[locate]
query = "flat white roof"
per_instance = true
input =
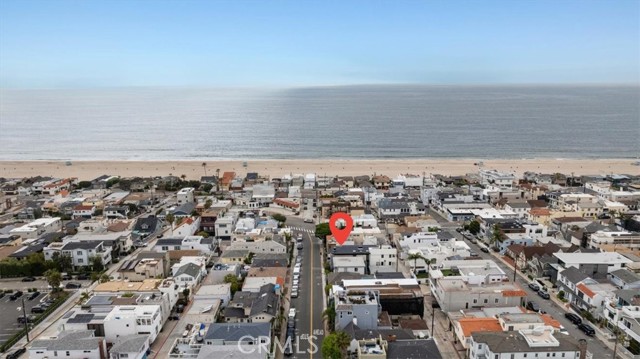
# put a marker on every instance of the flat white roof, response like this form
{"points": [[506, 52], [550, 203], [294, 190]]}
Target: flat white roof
{"points": [[372, 282], [592, 258], [340, 261]]}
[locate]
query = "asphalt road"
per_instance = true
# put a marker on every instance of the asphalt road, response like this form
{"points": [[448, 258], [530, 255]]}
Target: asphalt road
{"points": [[595, 346], [309, 304]]}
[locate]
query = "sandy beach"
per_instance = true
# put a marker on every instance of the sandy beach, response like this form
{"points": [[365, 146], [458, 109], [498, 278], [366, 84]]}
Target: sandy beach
{"points": [[87, 170]]}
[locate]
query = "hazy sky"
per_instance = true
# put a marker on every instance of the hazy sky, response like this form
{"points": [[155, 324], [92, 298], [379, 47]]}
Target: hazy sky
{"points": [[298, 43]]}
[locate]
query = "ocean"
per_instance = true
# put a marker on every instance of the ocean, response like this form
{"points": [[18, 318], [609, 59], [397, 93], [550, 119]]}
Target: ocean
{"points": [[348, 122]]}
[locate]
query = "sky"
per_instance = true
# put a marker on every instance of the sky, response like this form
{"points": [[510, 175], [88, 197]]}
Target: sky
{"points": [[80, 44]]}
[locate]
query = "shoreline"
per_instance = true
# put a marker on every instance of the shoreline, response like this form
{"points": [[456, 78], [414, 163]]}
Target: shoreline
{"points": [[193, 169]]}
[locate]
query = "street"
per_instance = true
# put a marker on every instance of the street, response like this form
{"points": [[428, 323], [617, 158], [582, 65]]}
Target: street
{"points": [[310, 301]]}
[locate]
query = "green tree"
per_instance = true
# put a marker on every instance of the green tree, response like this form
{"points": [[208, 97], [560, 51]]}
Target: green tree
{"points": [[330, 349], [233, 280], [54, 278], [279, 217], [334, 345], [208, 203], [474, 227], [330, 315], [62, 262], [323, 230], [84, 184], [203, 233], [104, 278], [206, 187], [185, 293], [112, 182], [96, 264]]}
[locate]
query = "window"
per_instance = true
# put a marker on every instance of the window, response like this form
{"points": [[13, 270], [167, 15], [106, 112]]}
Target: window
{"points": [[475, 301], [124, 355], [496, 300], [486, 301], [68, 353], [80, 260], [79, 253]]}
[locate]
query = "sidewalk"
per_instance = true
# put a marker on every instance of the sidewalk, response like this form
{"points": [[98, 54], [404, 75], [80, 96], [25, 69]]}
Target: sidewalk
{"points": [[443, 337]]}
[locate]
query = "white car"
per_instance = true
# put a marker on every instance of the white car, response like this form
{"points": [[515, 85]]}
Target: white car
{"points": [[296, 277], [296, 282], [294, 294], [292, 313]]}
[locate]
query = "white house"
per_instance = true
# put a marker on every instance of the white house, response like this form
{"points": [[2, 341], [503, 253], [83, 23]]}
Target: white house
{"points": [[348, 264], [128, 320], [80, 344], [263, 246], [224, 226], [38, 228], [84, 211], [221, 292], [81, 252], [539, 342], [420, 239], [188, 275], [382, 258], [496, 178], [186, 195]]}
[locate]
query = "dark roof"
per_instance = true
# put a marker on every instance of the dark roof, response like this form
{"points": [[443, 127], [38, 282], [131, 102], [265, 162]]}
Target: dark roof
{"points": [[186, 208], [81, 245], [26, 251], [574, 275], [190, 269], [81, 319], [269, 263], [150, 222], [235, 332], [251, 176], [70, 340], [444, 235], [338, 277], [626, 275], [514, 342], [51, 237], [130, 344], [413, 349], [390, 275], [169, 242], [350, 250]]}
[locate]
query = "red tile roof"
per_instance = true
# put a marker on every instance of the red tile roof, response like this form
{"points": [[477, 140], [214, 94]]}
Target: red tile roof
{"points": [[470, 325], [584, 289], [514, 293]]}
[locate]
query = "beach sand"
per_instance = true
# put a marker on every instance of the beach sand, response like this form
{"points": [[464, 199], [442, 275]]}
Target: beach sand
{"points": [[87, 170]]}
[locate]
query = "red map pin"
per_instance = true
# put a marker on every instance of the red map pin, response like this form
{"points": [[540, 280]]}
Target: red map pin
{"points": [[341, 225]]}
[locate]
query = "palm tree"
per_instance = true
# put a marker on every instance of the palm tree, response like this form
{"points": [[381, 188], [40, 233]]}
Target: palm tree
{"points": [[415, 257], [343, 340], [496, 235], [204, 167], [170, 218], [183, 176]]}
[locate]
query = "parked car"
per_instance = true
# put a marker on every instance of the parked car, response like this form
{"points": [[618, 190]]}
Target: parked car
{"points": [[38, 309], [15, 295], [33, 295], [29, 279], [543, 294], [29, 319], [73, 285], [531, 305], [292, 313], [587, 329], [82, 277], [296, 282], [174, 317], [16, 353], [160, 235], [291, 324], [294, 293], [299, 246], [473, 254], [67, 277], [485, 249], [573, 318], [534, 286]]}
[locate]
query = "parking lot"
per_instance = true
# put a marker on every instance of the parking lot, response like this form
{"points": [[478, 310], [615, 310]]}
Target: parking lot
{"points": [[11, 310]]}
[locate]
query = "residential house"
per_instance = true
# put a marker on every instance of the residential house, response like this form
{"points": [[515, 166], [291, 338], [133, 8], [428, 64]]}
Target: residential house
{"points": [[383, 259], [116, 212], [188, 275], [527, 343], [133, 347], [263, 246], [593, 264], [381, 182], [84, 211], [625, 279], [253, 307], [82, 252], [361, 308], [234, 334], [622, 312], [185, 195], [37, 228], [523, 255], [348, 264], [128, 320], [82, 344], [146, 226]]}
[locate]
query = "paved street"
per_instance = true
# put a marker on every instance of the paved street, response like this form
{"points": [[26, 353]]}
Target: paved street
{"points": [[309, 304]]}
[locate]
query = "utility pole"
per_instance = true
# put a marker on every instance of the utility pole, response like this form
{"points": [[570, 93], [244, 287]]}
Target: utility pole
{"points": [[515, 269], [26, 324]]}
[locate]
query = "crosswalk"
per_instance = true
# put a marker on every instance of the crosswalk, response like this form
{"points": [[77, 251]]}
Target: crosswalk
{"points": [[299, 229]]}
